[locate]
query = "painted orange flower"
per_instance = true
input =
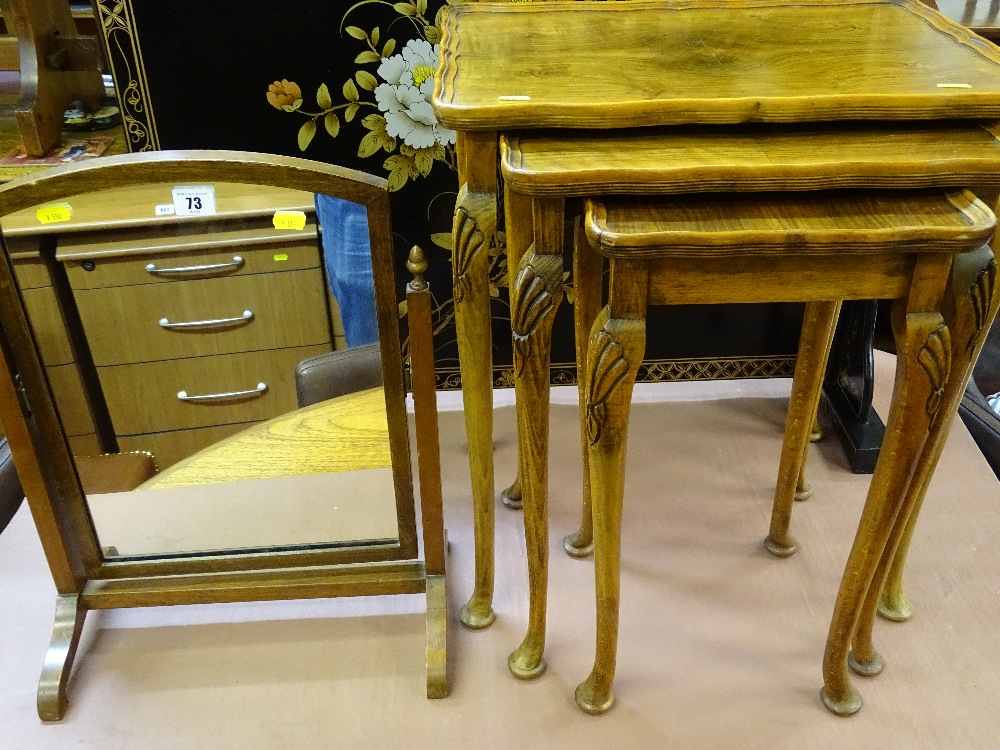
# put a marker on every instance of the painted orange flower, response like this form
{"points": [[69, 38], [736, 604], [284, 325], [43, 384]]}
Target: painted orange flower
{"points": [[284, 95]]}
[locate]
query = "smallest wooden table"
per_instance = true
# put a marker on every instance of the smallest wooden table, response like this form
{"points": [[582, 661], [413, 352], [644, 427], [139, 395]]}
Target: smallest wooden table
{"points": [[818, 248]]}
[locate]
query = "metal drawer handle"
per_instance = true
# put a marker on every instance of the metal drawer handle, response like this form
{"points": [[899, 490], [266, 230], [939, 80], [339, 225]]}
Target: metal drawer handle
{"points": [[236, 263], [245, 317], [260, 390]]}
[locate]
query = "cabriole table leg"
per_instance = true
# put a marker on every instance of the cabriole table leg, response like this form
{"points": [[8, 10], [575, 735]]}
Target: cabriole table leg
{"points": [[922, 367], [473, 231], [536, 293], [818, 324]]}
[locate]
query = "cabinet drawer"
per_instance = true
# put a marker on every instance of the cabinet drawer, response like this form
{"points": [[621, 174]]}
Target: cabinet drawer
{"points": [[31, 273], [144, 397], [71, 398], [48, 324], [219, 255], [123, 324], [170, 447]]}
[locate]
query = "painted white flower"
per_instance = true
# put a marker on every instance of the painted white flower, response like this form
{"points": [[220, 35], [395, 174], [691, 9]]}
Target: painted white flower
{"points": [[405, 97]]}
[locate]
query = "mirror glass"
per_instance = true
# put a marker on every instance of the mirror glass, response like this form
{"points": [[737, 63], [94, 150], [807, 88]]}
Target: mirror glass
{"points": [[173, 321]]}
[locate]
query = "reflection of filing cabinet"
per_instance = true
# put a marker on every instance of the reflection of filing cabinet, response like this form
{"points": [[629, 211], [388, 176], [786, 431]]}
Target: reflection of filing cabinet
{"points": [[194, 327], [35, 276]]}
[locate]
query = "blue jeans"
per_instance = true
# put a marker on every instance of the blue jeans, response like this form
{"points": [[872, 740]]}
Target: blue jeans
{"points": [[348, 258]]}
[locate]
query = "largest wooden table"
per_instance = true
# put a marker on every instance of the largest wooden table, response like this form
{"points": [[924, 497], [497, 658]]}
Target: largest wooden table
{"points": [[599, 66]]}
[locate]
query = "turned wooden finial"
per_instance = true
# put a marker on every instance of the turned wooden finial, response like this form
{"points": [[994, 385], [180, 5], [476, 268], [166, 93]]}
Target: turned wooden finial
{"points": [[417, 264]]}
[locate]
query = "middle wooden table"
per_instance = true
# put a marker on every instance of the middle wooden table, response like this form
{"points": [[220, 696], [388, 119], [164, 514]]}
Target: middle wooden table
{"points": [[586, 65]]}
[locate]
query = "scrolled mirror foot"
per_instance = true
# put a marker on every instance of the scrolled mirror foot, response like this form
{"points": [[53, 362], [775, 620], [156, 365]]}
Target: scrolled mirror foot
{"points": [[848, 705], [780, 550], [869, 667], [477, 615], [526, 663], [593, 699], [578, 545], [69, 617], [895, 606]]}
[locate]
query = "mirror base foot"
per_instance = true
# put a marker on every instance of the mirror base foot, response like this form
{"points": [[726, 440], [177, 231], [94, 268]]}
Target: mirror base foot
{"points": [[437, 638], [69, 617]]}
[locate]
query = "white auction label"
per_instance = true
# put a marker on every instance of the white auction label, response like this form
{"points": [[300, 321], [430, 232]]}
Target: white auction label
{"points": [[165, 209], [194, 200]]}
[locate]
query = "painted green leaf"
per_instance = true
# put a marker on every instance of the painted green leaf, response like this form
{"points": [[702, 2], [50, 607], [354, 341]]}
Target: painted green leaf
{"points": [[433, 34], [350, 91], [403, 308], [371, 143], [443, 240], [306, 134], [332, 123], [421, 6], [405, 9], [374, 122], [424, 161], [388, 48], [352, 109], [356, 32], [323, 97], [367, 57], [397, 178], [375, 36], [365, 79], [397, 162]]}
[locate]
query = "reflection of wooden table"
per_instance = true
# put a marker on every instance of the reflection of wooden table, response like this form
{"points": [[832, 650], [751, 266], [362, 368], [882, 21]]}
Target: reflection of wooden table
{"points": [[349, 433], [601, 66], [319, 475]]}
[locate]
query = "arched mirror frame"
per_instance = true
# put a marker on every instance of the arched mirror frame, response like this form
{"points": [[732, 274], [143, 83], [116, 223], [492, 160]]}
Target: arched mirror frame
{"points": [[84, 578]]}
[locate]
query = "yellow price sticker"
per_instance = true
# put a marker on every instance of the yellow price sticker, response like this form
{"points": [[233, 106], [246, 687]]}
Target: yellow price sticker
{"points": [[294, 220], [54, 212], [281, 256]]}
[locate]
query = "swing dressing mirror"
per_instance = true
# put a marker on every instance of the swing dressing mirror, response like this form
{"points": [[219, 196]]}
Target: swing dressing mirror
{"points": [[159, 311]]}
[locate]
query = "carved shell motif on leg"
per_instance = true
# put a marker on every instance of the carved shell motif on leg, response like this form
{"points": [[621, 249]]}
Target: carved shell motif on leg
{"points": [[935, 361], [610, 369]]}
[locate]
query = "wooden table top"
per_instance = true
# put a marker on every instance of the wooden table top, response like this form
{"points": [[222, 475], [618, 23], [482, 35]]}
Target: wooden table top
{"points": [[604, 65], [807, 156]]}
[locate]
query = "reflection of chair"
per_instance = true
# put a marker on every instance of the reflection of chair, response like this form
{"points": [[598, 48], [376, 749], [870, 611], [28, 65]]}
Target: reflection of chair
{"points": [[11, 493], [338, 373]]}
